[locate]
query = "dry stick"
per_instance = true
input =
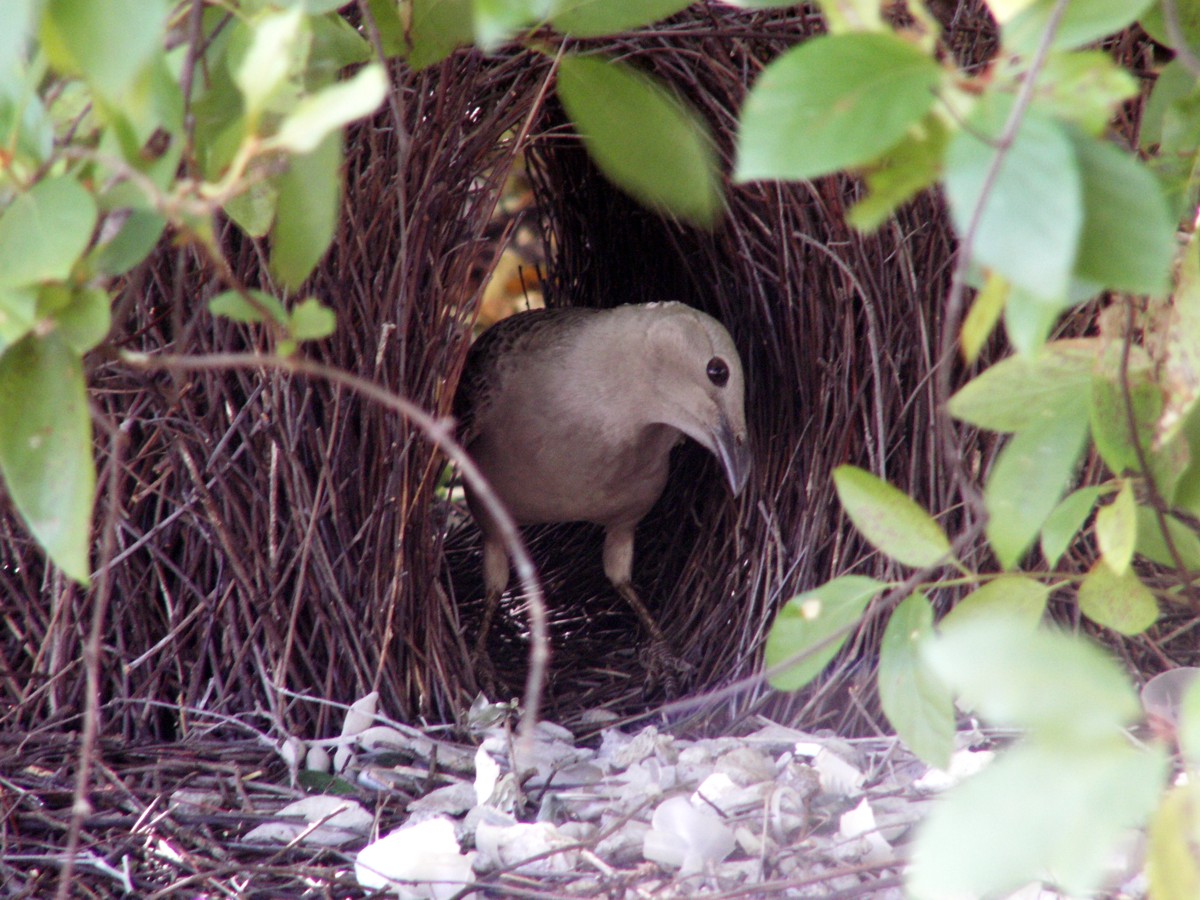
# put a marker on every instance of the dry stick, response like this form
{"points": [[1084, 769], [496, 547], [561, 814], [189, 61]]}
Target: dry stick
{"points": [[439, 432], [91, 661], [1157, 503], [958, 281]]}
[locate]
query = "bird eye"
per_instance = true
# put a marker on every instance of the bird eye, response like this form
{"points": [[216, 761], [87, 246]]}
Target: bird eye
{"points": [[718, 371]]}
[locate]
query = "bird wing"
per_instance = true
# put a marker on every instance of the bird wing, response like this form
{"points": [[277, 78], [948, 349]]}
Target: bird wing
{"points": [[496, 350]]}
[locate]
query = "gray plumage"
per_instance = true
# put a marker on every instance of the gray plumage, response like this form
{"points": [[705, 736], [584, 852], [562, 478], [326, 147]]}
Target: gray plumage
{"points": [[571, 415]]}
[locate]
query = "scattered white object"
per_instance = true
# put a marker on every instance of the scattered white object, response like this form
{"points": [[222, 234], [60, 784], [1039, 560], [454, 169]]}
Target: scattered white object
{"points": [[962, 764], [361, 714], [863, 840], [685, 837], [292, 750], [487, 773], [417, 862], [513, 846], [342, 821], [317, 760], [382, 736], [839, 778]]}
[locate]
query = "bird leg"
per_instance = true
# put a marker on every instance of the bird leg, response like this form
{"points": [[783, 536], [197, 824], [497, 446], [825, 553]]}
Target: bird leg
{"points": [[659, 660], [495, 580]]}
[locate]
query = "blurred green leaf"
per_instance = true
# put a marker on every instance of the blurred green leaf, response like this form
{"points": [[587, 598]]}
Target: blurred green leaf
{"points": [[670, 165], [44, 232], [306, 212], [319, 115], [1064, 523], [1029, 320], [311, 321], [1188, 727], [274, 53], [46, 447], [814, 625], [437, 28], [1018, 598], [1117, 600], [132, 243], [1116, 529], [1110, 420], [888, 518], [1058, 811], [983, 315], [18, 312], [386, 14], [1022, 391], [834, 102], [597, 18], [1152, 545], [1084, 87], [1033, 213], [1083, 22], [915, 701], [1030, 475], [496, 21], [1128, 237], [109, 44], [82, 317], [906, 169], [1172, 864], [1060, 687], [254, 208], [233, 305], [1154, 22]]}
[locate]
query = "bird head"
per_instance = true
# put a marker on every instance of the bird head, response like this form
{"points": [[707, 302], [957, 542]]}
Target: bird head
{"points": [[699, 385]]}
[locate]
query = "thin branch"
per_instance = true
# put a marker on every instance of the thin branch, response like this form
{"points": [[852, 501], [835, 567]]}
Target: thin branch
{"points": [[440, 433]]}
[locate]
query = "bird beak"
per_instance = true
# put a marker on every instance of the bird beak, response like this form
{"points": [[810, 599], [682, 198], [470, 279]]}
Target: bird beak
{"points": [[734, 454]]}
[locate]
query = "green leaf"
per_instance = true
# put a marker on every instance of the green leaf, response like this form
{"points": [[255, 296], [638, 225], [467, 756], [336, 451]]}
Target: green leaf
{"points": [[597, 18], [386, 14], [138, 235], [18, 312], [1152, 545], [310, 321], [1033, 213], [890, 519], [233, 305], [322, 114], [1110, 421], [497, 20], [274, 55], [1018, 598], [1128, 237], [1172, 864], [915, 701], [1083, 22], [1030, 475], [834, 102], [46, 447], [1037, 812], [254, 208], [1188, 727], [671, 166], [1154, 22], [1084, 87], [1023, 391], [1117, 601], [306, 213], [1116, 530], [983, 315], [45, 231], [907, 168], [109, 44], [1029, 320], [438, 27], [1063, 524], [1056, 685], [82, 317], [813, 626]]}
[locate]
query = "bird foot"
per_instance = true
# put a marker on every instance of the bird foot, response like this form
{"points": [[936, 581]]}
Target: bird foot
{"points": [[663, 667]]}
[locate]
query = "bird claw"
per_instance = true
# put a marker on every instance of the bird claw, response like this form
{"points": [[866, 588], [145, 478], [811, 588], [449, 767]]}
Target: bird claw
{"points": [[664, 667]]}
